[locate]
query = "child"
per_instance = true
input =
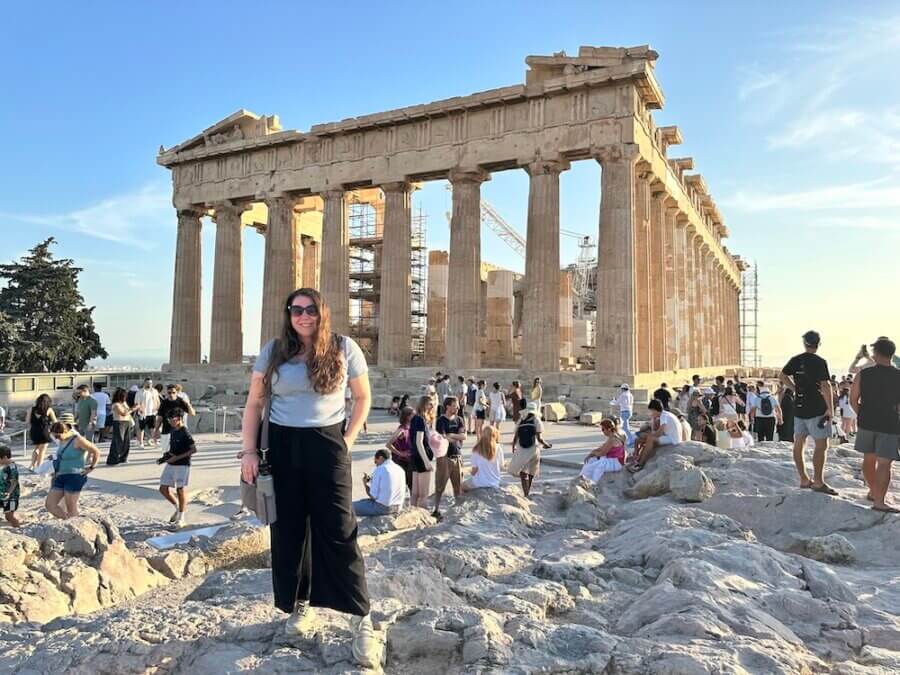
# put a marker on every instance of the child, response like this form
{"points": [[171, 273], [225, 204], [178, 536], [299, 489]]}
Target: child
{"points": [[9, 486], [177, 470], [395, 406]]}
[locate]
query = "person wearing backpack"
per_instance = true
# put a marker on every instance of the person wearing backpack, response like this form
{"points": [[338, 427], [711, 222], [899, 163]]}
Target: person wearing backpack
{"points": [[765, 415], [527, 441]]}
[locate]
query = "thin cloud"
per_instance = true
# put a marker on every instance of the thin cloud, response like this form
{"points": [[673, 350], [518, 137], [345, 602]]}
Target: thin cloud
{"points": [[874, 194], [756, 82], [804, 130], [130, 219]]}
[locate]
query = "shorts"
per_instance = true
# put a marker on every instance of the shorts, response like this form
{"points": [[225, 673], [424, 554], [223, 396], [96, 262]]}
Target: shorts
{"points": [[101, 422], [175, 476], [810, 427], [468, 410], [10, 505], [883, 445], [666, 440], [479, 414], [69, 482], [148, 422]]}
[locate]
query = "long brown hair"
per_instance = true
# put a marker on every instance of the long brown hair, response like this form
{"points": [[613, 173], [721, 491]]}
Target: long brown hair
{"points": [[425, 409], [324, 364], [487, 444]]}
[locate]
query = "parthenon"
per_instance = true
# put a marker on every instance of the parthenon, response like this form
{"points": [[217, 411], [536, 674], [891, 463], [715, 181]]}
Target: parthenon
{"points": [[667, 287]]}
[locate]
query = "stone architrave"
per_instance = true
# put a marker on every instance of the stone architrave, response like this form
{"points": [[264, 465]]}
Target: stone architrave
{"points": [[499, 318], [394, 330], [540, 337], [464, 276], [184, 345], [642, 288], [283, 256], [436, 321], [310, 273], [660, 330], [616, 344], [226, 331], [334, 268]]}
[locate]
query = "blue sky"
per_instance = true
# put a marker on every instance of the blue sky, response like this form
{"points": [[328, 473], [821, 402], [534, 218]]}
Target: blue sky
{"points": [[790, 110]]}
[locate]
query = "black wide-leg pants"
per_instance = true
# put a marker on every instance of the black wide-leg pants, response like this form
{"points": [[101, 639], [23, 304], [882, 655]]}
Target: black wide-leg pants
{"points": [[315, 556]]}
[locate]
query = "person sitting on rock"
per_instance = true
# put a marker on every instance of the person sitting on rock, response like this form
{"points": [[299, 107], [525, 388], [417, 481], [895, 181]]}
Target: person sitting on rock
{"points": [[686, 430], [704, 432], [609, 457], [739, 437], [487, 461], [668, 432], [386, 488]]}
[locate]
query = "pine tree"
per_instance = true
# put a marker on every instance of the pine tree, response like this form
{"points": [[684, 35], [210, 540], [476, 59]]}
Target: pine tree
{"points": [[44, 324]]}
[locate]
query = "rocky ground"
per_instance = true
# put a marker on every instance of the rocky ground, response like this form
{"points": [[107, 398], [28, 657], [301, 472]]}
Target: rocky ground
{"points": [[708, 561]]}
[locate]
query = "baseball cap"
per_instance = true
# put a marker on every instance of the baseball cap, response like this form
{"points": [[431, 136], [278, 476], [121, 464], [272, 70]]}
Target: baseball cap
{"points": [[624, 386], [811, 338], [884, 346], [67, 417]]}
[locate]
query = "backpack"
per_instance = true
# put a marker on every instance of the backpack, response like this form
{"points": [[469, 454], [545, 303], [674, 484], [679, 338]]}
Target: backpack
{"points": [[765, 405], [527, 432]]}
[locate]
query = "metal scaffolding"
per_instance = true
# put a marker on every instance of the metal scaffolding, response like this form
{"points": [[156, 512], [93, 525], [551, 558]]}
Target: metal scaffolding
{"points": [[749, 306], [419, 286]]}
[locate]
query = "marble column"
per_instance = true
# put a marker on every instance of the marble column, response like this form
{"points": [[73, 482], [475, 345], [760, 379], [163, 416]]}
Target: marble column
{"points": [[708, 300], [464, 274], [499, 318], [184, 345], [682, 284], [718, 311], [699, 314], [226, 331], [310, 273], [282, 263], [436, 320], [394, 328], [672, 316], [660, 335], [616, 342], [566, 318], [334, 270], [540, 338], [642, 288]]}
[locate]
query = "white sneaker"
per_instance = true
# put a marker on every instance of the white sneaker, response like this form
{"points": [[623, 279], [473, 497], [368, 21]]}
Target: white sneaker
{"points": [[179, 522], [175, 515], [367, 649], [302, 620]]}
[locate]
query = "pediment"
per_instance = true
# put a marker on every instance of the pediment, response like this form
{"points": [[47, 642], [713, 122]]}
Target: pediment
{"points": [[238, 126]]}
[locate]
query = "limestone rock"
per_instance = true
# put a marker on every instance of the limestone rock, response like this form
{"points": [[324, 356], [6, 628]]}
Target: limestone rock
{"points": [[171, 563], [554, 412], [230, 583], [573, 411], [691, 485], [590, 418], [410, 518], [833, 548]]}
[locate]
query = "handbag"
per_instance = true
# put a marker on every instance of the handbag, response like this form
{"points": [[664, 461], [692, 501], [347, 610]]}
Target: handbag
{"points": [[439, 445], [259, 496]]}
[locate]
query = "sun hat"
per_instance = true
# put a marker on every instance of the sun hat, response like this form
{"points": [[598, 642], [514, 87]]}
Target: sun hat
{"points": [[532, 407]]}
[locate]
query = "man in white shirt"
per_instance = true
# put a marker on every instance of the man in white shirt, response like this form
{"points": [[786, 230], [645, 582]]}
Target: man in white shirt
{"points": [[625, 402], [386, 488], [147, 401], [666, 431], [2, 418], [103, 402]]}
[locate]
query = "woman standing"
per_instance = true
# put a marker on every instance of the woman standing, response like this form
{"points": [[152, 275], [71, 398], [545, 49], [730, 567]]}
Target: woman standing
{"points": [[786, 428], [301, 376], [728, 406], [609, 457], [401, 451], [498, 405], [537, 393], [420, 430], [39, 420], [71, 470], [121, 436], [526, 460], [695, 409], [515, 400]]}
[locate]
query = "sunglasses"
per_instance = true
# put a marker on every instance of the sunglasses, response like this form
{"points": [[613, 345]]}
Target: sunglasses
{"points": [[299, 310]]}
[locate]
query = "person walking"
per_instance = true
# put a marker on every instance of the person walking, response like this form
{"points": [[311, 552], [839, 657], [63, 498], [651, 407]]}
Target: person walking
{"points": [[875, 397], [537, 394], [497, 403], [625, 403], [299, 378], [75, 459], [39, 419], [807, 374], [103, 405], [9, 487], [120, 445], [526, 447], [786, 403], [177, 460], [848, 414], [765, 415], [147, 400], [85, 412]]}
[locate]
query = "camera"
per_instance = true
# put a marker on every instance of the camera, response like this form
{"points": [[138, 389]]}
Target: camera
{"points": [[165, 458]]}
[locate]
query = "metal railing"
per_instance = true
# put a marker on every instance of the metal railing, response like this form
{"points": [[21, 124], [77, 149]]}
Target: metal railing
{"points": [[24, 433], [225, 412]]}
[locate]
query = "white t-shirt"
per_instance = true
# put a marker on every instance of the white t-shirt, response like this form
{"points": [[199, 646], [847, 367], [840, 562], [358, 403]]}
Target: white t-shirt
{"points": [[752, 400], [489, 472], [148, 399], [388, 486], [625, 401], [479, 399], [671, 426], [103, 400], [496, 398], [846, 410]]}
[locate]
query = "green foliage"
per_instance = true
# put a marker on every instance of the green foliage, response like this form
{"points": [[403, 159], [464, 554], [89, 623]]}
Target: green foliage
{"points": [[44, 325]]}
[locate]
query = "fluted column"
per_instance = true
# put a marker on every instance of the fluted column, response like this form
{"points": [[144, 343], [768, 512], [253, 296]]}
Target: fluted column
{"points": [[282, 263], [699, 314], [643, 305], [691, 287], [464, 274], [718, 311], [184, 343], [660, 335], [310, 267], [436, 326], [616, 342], [394, 330], [708, 302], [334, 269], [227, 332], [670, 291], [540, 339], [682, 280]]}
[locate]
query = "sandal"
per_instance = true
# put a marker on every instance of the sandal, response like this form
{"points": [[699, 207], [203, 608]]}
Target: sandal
{"points": [[808, 486], [886, 509], [826, 489]]}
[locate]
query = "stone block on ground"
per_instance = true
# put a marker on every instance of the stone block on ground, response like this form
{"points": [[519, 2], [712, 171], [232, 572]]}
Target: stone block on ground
{"points": [[410, 518], [832, 548], [572, 410], [591, 418], [691, 485], [554, 412]]}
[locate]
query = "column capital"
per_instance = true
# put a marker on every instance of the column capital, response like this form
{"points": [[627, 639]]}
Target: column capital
{"points": [[681, 218], [540, 166], [230, 209], [623, 152], [657, 187], [332, 193], [396, 186], [461, 175], [196, 212], [283, 199]]}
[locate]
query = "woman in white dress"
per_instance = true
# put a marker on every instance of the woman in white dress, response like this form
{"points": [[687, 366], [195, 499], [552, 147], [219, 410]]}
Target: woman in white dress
{"points": [[609, 457], [497, 401]]}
